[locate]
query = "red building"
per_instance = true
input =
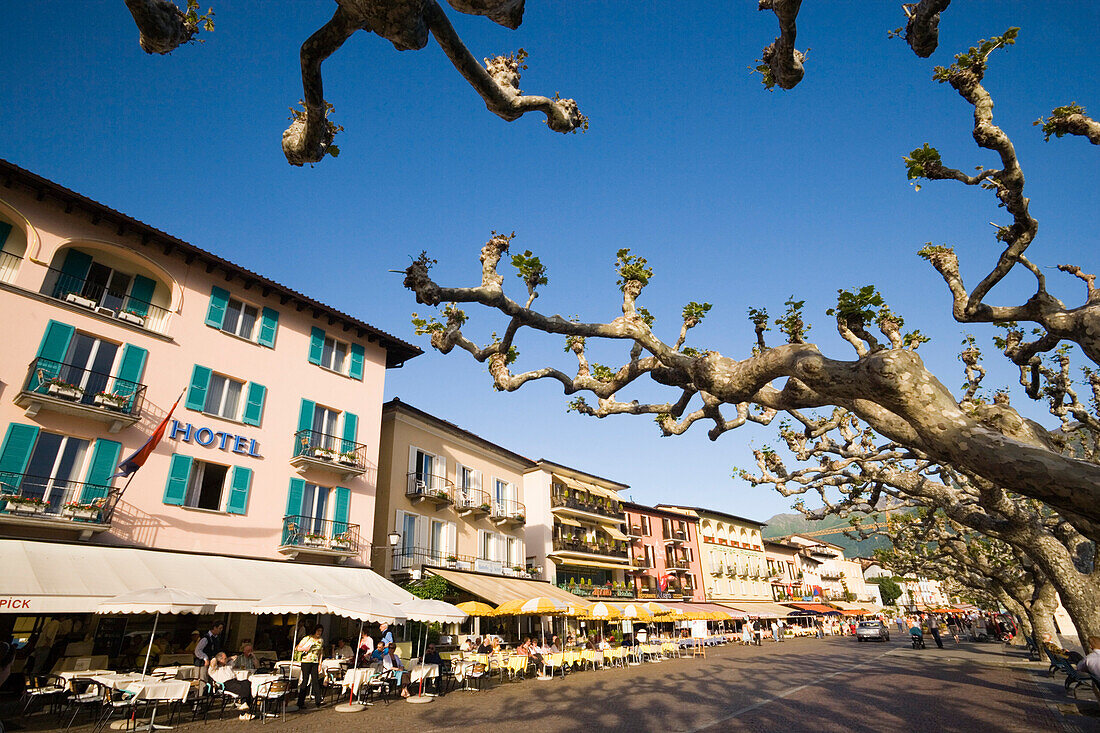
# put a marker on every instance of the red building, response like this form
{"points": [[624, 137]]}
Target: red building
{"points": [[664, 550]]}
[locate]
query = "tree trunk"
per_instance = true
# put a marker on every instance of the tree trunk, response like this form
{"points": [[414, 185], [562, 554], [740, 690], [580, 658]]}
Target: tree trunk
{"points": [[1043, 606], [1079, 592]]}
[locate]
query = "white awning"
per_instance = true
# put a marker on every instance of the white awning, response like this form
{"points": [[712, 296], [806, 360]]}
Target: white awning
{"points": [[498, 589], [46, 577]]}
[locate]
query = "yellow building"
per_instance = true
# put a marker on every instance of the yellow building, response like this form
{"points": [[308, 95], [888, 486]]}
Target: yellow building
{"points": [[731, 550], [449, 498]]}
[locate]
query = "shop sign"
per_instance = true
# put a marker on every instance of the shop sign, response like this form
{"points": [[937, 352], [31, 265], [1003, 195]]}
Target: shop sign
{"points": [[208, 437]]}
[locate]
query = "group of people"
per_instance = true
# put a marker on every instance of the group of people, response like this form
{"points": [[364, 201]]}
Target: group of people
{"points": [[752, 632]]}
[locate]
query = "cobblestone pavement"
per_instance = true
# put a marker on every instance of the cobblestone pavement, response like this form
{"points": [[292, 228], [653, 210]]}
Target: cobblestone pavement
{"points": [[835, 684]]}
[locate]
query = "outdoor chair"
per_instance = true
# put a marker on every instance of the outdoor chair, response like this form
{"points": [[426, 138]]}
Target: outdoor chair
{"points": [[114, 703], [49, 692], [273, 696], [1074, 679], [332, 682], [86, 696], [200, 699], [555, 661]]}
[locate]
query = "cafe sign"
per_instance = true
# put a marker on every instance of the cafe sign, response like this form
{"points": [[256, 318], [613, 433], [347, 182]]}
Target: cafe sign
{"points": [[210, 438]]}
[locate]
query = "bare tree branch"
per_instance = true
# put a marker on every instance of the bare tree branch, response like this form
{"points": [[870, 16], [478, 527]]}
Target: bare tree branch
{"points": [[922, 31]]}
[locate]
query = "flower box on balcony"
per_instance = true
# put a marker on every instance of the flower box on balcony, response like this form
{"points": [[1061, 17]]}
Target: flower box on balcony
{"points": [[134, 318], [348, 459], [64, 391], [341, 545], [111, 401], [323, 453], [314, 540], [80, 511], [80, 300], [24, 505]]}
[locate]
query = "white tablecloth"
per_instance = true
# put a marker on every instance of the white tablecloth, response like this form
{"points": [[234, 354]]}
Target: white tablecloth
{"points": [[82, 675], [159, 689], [423, 671], [189, 672], [119, 681], [259, 680]]}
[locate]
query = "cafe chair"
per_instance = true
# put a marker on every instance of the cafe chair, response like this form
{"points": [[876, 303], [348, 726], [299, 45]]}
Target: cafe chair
{"points": [[86, 696], [49, 692], [273, 696], [114, 703]]}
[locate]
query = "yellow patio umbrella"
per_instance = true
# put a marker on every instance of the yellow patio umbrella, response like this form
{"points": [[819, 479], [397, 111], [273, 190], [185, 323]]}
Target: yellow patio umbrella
{"points": [[636, 612], [576, 608], [537, 606], [602, 612], [477, 608], [656, 609], [719, 616]]}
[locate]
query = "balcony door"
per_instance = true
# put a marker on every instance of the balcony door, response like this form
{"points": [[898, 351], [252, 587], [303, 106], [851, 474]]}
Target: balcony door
{"points": [[324, 427], [55, 463], [314, 503], [88, 364], [469, 486], [106, 286]]}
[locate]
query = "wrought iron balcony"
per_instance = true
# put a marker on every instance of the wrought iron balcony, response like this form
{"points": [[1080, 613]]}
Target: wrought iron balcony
{"points": [[677, 564], [590, 505], [301, 534], [51, 502], [407, 559], [508, 511], [425, 487], [676, 537], [609, 549], [329, 452], [99, 298], [469, 500], [76, 390]]}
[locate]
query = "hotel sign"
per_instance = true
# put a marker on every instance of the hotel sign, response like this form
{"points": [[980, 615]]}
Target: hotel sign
{"points": [[208, 437]]}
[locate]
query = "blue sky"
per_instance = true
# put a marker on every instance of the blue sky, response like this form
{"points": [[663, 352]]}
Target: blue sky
{"points": [[737, 196]]}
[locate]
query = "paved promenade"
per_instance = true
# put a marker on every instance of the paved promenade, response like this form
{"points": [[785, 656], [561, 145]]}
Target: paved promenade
{"points": [[826, 685]]}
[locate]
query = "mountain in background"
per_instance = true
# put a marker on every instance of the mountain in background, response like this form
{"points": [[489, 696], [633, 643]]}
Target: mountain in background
{"points": [[785, 524]]}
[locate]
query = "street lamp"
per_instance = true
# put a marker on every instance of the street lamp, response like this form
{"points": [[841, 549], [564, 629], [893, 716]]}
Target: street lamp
{"points": [[394, 538]]}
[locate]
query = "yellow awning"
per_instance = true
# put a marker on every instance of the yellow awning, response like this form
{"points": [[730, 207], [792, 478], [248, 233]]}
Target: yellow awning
{"points": [[568, 522], [590, 563], [600, 491], [615, 533], [500, 589], [568, 482]]}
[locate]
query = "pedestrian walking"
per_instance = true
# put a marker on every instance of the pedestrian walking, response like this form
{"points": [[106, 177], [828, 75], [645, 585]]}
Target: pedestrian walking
{"points": [[758, 632], [746, 633], [775, 631], [310, 648], [819, 628], [934, 629], [780, 626]]}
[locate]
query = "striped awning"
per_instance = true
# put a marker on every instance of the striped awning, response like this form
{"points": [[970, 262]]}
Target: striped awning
{"points": [[615, 533]]}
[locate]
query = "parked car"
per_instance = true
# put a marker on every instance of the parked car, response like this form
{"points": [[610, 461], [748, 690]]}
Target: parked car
{"points": [[872, 630]]}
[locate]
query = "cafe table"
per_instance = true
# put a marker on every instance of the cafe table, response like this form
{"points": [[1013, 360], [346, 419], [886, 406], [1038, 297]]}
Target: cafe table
{"points": [[147, 687], [85, 674]]}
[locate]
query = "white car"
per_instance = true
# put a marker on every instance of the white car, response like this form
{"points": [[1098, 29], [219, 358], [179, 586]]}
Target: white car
{"points": [[872, 630]]}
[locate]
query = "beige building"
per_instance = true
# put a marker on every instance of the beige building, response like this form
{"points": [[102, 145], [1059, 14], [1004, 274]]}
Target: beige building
{"points": [[731, 551], [449, 498], [576, 530]]}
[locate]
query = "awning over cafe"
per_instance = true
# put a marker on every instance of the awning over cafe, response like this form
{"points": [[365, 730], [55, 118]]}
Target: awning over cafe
{"points": [[758, 609], [814, 608], [689, 607], [48, 577], [498, 589]]}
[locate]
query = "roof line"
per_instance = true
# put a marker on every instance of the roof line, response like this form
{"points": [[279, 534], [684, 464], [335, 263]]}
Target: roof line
{"points": [[397, 351], [397, 404], [586, 473], [698, 509]]}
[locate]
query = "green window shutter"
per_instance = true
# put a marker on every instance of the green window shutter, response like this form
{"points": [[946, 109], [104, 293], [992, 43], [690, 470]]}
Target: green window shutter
{"points": [[358, 356], [5, 230], [351, 430], [73, 271], [141, 293], [215, 313], [303, 442], [316, 345], [54, 347], [130, 369], [269, 323], [238, 490], [340, 513], [196, 393], [103, 465], [15, 453], [175, 490], [254, 404], [291, 531]]}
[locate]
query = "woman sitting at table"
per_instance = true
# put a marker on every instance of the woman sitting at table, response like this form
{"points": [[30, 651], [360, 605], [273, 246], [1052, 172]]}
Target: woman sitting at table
{"points": [[495, 645], [604, 644], [392, 664], [222, 675]]}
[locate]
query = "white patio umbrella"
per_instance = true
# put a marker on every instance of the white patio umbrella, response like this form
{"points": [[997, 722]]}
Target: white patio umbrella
{"points": [[428, 610], [296, 602], [156, 600], [363, 607]]}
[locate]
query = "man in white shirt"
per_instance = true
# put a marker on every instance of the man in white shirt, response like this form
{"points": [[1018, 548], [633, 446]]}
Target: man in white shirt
{"points": [[1091, 663], [642, 635]]}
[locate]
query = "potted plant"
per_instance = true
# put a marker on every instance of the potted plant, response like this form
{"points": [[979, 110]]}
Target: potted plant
{"points": [[341, 541], [348, 458], [484, 507], [112, 401], [60, 388], [452, 560], [81, 300], [25, 504], [78, 510], [313, 539], [323, 453], [131, 316]]}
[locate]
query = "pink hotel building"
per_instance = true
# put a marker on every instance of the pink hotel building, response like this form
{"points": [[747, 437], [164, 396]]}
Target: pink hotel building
{"points": [[273, 450]]}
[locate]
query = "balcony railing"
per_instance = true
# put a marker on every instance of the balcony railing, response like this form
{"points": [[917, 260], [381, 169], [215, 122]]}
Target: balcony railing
{"points": [[101, 299], [9, 266], [343, 455], [85, 387], [634, 532], [611, 549], [593, 505], [42, 497], [411, 558], [433, 488], [642, 563], [469, 499], [677, 564], [508, 510], [597, 591], [309, 534], [676, 536]]}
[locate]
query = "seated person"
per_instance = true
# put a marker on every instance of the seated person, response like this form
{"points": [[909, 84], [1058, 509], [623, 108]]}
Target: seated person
{"points": [[342, 650], [431, 656], [379, 652], [392, 663], [590, 643], [246, 660], [221, 674], [495, 644], [467, 645], [604, 645], [555, 645], [483, 646]]}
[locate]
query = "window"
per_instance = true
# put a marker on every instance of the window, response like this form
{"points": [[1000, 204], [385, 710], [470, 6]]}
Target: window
{"points": [[689, 582], [223, 397], [438, 539], [205, 485], [469, 486], [666, 527], [645, 526], [240, 319], [314, 505], [89, 362], [55, 462], [334, 355], [324, 423], [649, 557], [106, 286]]}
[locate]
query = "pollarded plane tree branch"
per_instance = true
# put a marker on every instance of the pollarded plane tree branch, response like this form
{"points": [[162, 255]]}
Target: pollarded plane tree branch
{"points": [[164, 27], [1057, 322], [853, 474], [1070, 120], [886, 386]]}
